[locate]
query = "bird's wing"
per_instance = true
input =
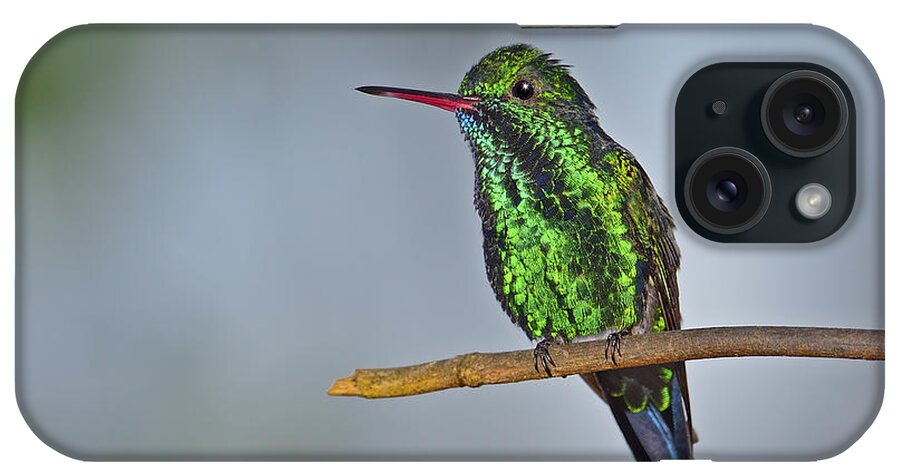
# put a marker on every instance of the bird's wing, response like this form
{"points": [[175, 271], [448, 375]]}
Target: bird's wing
{"points": [[656, 238]]}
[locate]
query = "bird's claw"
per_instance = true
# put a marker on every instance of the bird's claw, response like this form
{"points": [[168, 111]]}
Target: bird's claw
{"points": [[542, 355], [614, 342]]}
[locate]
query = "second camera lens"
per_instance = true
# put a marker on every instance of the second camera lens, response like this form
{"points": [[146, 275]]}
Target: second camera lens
{"points": [[727, 190]]}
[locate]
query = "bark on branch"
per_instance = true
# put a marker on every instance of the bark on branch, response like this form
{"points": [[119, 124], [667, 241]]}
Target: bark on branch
{"points": [[477, 369]]}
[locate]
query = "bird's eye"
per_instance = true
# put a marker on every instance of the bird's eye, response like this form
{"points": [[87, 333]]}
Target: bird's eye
{"points": [[523, 90]]}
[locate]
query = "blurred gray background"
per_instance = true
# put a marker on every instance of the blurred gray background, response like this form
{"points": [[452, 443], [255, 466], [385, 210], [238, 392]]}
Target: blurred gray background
{"points": [[213, 226]]}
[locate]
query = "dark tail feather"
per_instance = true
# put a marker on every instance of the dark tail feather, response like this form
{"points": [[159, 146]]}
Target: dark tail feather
{"points": [[653, 435], [681, 423]]}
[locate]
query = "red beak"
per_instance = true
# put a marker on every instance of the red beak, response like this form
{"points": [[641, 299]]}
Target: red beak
{"points": [[445, 101]]}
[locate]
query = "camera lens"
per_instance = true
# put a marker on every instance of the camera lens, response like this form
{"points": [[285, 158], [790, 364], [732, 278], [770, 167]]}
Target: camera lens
{"points": [[727, 190], [804, 113]]}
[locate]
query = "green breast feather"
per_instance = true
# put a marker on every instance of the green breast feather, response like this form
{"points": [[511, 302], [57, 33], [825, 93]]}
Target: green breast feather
{"points": [[568, 261]]}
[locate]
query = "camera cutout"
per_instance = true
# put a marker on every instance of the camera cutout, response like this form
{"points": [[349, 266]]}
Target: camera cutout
{"points": [[739, 174]]}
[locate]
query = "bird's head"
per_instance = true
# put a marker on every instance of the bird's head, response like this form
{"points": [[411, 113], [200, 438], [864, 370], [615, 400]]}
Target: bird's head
{"points": [[514, 93], [521, 84]]}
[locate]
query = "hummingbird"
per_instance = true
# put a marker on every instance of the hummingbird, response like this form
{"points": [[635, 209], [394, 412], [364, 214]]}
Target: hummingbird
{"points": [[577, 243]]}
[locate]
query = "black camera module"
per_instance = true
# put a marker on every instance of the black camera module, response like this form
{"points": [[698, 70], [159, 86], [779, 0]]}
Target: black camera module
{"points": [[727, 190], [804, 113], [781, 113]]}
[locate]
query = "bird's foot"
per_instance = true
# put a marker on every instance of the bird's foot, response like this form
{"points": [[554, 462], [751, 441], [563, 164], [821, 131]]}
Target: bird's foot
{"points": [[614, 344], [542, 355]]}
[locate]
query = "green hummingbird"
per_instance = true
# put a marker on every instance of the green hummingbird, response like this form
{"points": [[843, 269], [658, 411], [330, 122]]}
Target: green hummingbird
{"points": [[577, 244]]}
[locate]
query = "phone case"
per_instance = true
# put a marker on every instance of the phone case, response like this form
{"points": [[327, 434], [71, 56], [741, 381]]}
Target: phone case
{"points": [[213, 226]]}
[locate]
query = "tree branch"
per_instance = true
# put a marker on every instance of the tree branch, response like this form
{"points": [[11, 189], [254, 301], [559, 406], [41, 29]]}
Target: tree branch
{"points": [[477, 369]]}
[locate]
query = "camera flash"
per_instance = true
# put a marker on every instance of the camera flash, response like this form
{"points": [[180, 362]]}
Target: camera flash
{"points": [[813, 201]]}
